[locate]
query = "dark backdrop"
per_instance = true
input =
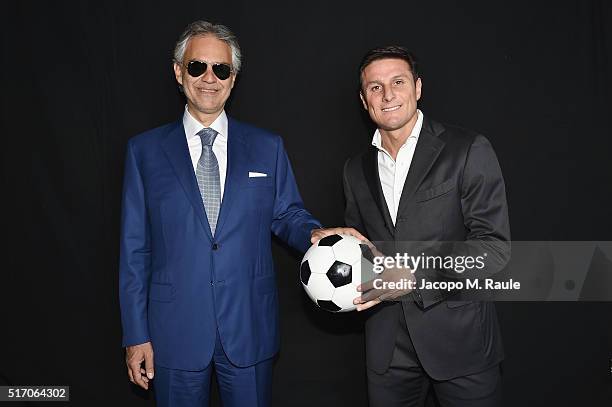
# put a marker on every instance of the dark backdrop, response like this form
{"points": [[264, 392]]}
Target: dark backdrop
{"points": [[80, 78]]}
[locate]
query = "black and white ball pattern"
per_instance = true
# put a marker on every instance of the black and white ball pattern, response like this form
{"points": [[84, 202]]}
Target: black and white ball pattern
{"points": [[331, 271]]}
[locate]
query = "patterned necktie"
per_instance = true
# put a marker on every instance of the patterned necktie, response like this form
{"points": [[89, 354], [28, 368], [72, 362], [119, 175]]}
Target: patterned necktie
{"points": [[207, 173]]}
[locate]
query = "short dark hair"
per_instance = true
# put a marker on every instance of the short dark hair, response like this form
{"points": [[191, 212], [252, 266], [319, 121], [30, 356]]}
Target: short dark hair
{"points": [[389, 52]]}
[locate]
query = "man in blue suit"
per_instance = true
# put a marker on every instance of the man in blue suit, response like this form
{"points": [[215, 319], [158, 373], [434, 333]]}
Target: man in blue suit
{"points": [[201, 197]]}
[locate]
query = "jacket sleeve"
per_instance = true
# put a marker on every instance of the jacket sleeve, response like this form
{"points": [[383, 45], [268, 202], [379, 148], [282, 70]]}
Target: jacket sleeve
{"points": [[485, 216], [135, 255], [291, 221]]}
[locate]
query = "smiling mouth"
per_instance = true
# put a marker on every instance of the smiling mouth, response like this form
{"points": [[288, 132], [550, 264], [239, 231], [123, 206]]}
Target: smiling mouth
{"points": [[391, 109], [203, 90]]}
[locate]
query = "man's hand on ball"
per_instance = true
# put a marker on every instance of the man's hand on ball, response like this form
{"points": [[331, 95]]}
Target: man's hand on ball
{"points": [[391, 284], [318, 234], [134, 356]]}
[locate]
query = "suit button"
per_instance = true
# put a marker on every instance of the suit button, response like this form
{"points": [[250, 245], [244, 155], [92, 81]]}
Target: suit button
{"points": [[215, 246]]}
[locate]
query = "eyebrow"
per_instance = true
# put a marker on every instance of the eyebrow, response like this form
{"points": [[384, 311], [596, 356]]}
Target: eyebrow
{"points": [[376, 81]]}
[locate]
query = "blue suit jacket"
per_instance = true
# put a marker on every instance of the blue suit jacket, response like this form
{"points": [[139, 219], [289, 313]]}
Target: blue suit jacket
{"points": [[177, 282]]}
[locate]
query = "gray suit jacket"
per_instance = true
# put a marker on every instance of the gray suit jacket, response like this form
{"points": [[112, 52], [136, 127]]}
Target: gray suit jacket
{"points": [[454, 192]]}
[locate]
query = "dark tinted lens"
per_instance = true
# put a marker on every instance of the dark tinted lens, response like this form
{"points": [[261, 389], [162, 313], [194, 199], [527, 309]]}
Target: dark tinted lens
{"points": [[196, 68], [222, 71]]}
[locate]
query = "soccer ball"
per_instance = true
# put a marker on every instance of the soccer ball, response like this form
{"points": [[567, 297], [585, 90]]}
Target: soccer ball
{"points": [[331, 271]]}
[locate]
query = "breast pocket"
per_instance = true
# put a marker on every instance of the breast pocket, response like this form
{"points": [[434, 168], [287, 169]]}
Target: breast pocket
{"points": [[436, 191], [260, 182], [258, 194]]}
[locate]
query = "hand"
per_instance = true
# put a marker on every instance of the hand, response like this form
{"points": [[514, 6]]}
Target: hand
{"points": [[392, 283], [318, 234], [134, 356]]}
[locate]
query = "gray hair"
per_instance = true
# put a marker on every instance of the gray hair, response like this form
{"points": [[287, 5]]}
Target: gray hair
{"points": [[221, 32]]}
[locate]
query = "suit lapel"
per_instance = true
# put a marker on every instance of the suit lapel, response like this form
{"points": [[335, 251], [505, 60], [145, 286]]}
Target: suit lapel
{"points": [[237, 153], [370, 172], [177, 151], [427, 150]]}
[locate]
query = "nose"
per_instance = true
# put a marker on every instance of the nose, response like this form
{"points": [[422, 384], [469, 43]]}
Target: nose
{"points": [[209, 75], [388, 94]]}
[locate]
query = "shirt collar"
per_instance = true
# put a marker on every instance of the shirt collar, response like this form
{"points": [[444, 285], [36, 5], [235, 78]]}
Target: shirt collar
{"points": [[416, 130], [192, 126]]}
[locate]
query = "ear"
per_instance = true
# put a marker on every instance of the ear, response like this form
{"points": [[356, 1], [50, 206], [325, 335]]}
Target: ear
{"points": [[233, 79], [363, 101], [178, 73], [418, 85]]}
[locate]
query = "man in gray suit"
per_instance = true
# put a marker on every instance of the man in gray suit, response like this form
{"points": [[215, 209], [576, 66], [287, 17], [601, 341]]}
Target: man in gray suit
{"points": [[425, 181]]}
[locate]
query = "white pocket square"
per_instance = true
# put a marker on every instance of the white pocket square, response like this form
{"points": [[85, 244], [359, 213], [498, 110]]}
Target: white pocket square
{"points": [[256, 174]]}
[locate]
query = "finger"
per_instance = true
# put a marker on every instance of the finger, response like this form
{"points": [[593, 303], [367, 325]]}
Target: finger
{"points": [[149, 364], [367, 305], [130, 375], [318, 234], [360, 300], [386, 296], [143, 374], [376, 252], [315, 237], [137, 376], [371, 295], [370, 245], [142, 383], [353, 232], [368, 285]]}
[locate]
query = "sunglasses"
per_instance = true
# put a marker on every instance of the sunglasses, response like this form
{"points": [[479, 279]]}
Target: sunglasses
{"points": [[197, 68]]}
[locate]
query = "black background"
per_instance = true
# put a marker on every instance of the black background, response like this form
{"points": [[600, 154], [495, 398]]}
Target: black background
{"points": [[80, 78]]}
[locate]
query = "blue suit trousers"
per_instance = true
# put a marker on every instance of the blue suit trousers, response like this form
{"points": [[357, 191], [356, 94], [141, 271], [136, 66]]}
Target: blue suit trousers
{"points": [[238, 386]]}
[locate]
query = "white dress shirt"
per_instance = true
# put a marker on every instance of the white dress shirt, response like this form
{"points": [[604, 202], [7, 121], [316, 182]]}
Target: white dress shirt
{"points": [[219, 148], [393, 173]]}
